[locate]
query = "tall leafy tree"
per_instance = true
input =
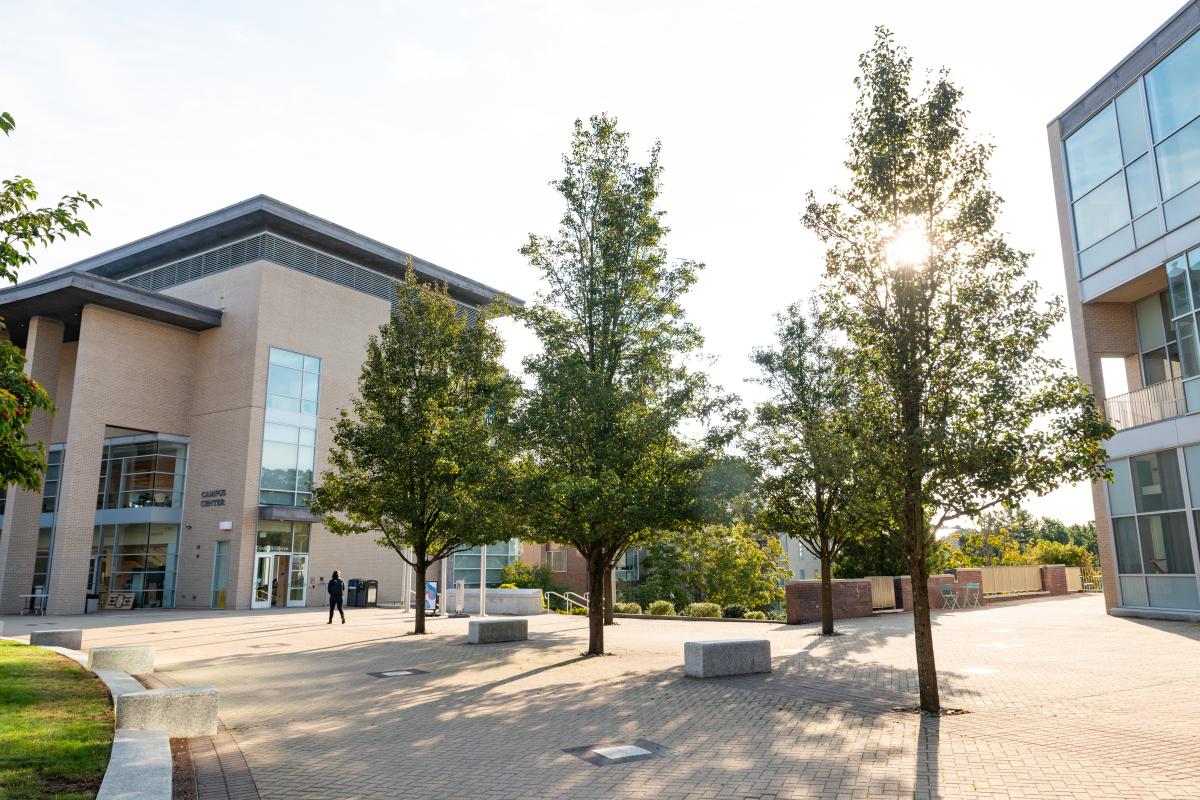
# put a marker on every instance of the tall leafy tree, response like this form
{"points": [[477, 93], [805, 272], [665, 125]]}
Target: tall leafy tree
{"points": [[944, 321], [819, 483], [604, 459], [23, 228], [422, 460]]}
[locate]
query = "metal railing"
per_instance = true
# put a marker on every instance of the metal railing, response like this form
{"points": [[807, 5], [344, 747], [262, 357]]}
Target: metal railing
{"points": [[569, 602], [1156, 402]]}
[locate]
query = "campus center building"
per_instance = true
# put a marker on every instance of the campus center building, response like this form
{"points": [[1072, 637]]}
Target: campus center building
{"points": [[197, 375], [1126, 163]]}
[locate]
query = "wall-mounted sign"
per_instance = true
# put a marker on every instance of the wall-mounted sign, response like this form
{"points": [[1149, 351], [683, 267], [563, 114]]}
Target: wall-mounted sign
{"points": [[212, 497]]}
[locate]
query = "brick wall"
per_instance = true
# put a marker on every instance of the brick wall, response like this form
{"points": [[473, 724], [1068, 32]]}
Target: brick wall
{"points": [[1054, 578], [851, 598]]}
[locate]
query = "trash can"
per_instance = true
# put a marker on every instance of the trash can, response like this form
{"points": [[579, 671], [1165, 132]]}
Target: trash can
{"points": [[92, 604], [353, 591], [368, 593]]}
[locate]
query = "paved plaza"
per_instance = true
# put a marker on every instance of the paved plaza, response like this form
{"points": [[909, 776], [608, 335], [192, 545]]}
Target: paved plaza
{"points": [[1064, 702]]}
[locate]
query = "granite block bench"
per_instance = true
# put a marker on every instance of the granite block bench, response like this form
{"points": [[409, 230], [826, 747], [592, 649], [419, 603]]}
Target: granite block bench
{"points": [[487, 631], [135, 659], [183, 712], [70, 638], [726, 657]]}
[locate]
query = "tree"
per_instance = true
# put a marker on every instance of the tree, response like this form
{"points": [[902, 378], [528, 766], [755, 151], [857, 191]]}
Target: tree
{"points": [[943, 321], [818, 482], [423, 461], [604, 462], [22, 229], [723, 564], [874, 552], [1049, 552]]}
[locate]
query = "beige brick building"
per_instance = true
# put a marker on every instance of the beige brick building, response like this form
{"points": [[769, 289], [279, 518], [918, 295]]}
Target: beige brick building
{"points": [[1126, 164], [197, 374]]}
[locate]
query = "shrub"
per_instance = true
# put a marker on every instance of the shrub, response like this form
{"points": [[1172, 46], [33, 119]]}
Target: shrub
{"points": [[755, 615], [703, 610], [508, 586], [661, 608], [627, 608], [578, 611], [734, 612], [777, 615]]}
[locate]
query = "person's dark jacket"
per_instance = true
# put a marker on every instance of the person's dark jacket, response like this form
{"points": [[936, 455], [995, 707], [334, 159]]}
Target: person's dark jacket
{"points": [[336, 587]]}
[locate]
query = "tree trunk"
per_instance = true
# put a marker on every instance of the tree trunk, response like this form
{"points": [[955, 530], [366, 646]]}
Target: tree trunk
{"points": [[826, 594], [608, 597], [596, 573], [420, 570], [914, 523]]}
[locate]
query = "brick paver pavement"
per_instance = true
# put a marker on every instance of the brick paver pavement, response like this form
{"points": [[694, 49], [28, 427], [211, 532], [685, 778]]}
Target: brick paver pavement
{"points": [[1064, 702]]}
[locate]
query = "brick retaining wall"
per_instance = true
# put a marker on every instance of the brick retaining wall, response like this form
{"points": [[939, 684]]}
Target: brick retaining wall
{"points": [[851, 598]]}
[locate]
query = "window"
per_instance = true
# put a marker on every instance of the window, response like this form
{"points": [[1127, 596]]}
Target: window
{"points": [[1173, 89], [290, 430], [1094, 152], [1153, 543], [1156, 339], [499, 554], [41, 561], [136, 557], [146, 474], [220, 573], [556, 559], [53, 478], [283, 537]]}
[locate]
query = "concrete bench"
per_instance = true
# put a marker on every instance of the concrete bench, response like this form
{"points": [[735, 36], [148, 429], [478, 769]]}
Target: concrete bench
{"points": [[182, 712], [486, 631], [135, 659], [139, 767], [70, 638], [726, 657]]}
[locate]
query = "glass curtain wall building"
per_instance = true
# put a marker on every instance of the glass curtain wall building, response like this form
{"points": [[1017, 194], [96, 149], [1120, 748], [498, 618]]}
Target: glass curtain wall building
{"points": [[1126, 160]]}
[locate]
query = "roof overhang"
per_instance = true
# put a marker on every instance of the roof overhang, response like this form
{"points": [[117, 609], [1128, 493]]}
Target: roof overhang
{"points": [[62, 296], [287, 514], [266, 214]]}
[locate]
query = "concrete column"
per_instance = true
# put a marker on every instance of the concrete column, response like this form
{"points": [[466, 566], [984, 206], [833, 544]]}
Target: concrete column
{"points": [[18, 542], [76, 517]]}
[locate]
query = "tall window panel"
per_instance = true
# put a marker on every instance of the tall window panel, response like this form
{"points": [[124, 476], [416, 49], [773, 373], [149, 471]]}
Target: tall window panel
{"points": [[1152, 528], [290, 431], [499, 554]]}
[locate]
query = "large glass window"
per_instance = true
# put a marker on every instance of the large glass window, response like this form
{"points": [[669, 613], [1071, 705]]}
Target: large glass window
{"points": [[1165, 547], [1101, 212], [1179, 161], [1156, 483], [220, 584], [499, 554], [1173, 89], [290, 432], [136, 557], [283, 537], [53, 478], [1094, 152], [142, 475]]}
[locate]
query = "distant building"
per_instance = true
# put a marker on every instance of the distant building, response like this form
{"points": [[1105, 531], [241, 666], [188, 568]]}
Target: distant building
{"points": [[803, 564]]}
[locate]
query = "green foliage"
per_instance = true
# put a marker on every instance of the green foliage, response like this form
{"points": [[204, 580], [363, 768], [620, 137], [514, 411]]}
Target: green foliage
{"points": [[702, 610], [718, 564], [755, 615], [508, 586], [945, 328], [24, 227], [578, 611], [733, 612], [627, 608], [1049, 552], [777, 614], [661, 608], [423, 461], [526, 576], [603, 462]]}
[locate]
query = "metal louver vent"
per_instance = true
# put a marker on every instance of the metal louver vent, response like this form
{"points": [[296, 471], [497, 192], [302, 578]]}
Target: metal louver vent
{"points": [[286, 253]]}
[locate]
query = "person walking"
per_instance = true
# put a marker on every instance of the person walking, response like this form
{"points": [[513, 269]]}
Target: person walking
{"points": [[336, 588]]}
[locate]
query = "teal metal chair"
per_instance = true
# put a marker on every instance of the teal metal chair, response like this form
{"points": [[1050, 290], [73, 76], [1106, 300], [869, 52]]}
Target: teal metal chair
{"points": [[949, 598], [974, 595]]}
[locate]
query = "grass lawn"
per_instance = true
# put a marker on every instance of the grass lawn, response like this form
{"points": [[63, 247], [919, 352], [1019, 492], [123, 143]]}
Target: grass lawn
{"points": [[55, 726]]}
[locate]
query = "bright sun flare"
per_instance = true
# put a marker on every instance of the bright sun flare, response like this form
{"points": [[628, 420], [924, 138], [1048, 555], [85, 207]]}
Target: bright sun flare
{"points": [[908, 247]]}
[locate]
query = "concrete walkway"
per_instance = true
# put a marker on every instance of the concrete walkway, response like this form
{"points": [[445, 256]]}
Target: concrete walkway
{"points": [[1065, 702]]}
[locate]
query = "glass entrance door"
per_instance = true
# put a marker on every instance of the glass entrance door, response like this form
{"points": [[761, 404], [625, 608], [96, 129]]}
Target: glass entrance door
{"points": [[297, 581], [262, 582]]}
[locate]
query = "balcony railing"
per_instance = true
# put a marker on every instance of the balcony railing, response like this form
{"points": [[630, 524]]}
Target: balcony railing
{"points": [[1159, 401]]}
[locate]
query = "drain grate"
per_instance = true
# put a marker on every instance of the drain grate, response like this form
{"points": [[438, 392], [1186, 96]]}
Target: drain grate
{"points": [[604, 755], [398, 673]]}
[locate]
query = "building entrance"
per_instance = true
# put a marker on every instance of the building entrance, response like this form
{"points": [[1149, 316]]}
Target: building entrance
{"points": [[280, 565]]}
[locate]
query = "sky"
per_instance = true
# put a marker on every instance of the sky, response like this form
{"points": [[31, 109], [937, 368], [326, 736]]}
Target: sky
{"points": [[436, 127]]}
